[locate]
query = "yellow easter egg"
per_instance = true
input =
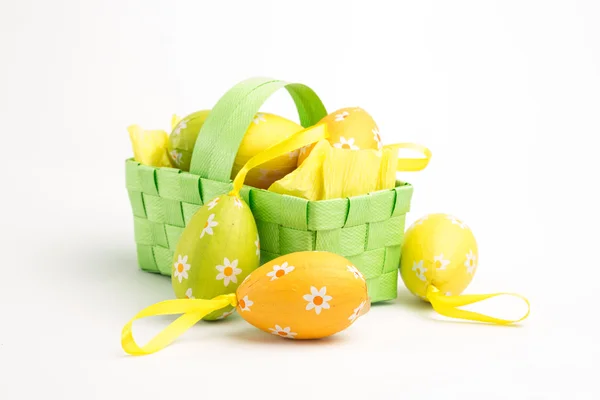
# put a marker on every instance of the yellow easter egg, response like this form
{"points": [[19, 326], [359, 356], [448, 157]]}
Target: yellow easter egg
{"points": [[438, 250], [349, 128], [265, 131], [183, 139], [304, 295]]}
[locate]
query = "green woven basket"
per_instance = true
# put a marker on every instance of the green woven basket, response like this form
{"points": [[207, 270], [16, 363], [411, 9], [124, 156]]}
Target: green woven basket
{"points": [[368, 229]]}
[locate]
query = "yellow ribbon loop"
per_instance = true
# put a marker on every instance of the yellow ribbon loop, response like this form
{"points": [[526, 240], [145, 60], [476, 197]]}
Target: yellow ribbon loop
{"points": [[193, 310], [413, 164], [448, 306], [294, 142]]}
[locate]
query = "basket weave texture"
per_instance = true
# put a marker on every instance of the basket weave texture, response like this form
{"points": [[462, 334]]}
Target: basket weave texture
{"points": [[367, 229]]}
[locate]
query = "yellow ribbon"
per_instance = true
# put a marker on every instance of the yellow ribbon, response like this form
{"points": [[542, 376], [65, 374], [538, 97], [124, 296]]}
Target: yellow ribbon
{"points": [[413, 164], [448, 306], [294, 142], [193, 310]]}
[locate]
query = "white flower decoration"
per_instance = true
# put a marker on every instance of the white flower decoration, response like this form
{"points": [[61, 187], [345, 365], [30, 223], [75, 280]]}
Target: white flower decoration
{"points": [[176, 156], [226, 314], [280, 270], [346, 144], [419, 270], [456, 222], [245, 304], [259, 117], [341, 116], [448, 294], [180, 126], [238, 202], [181, 267], [471, 262], [283, 332], [357, 311], [377, 138], [228, 271], [213, 203], [356, 272], [210, 223], [440, 263], [188, 294], [317, 299], [257, 244]]}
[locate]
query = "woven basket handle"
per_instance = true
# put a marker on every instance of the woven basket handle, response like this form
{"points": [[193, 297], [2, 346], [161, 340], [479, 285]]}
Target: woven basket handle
{"points": [[222, 133]]}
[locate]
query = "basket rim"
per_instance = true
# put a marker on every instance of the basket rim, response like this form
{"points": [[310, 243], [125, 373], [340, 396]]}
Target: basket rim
{"points": [[399, 186]]}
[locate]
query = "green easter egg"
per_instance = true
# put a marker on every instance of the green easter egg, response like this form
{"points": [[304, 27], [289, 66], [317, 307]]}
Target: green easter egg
{"points": [[183, 139], [216, 251]]}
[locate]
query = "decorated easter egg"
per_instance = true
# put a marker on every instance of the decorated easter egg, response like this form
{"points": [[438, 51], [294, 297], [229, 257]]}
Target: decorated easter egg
{"points": [[183, 138], [265, 131], [304, 295], [349, 128], [216, 251], [438, 250]]}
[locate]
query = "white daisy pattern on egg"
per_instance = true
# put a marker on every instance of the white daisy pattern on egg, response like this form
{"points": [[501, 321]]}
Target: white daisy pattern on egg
{"points": [[419, 270], [181, 268], [245, 303], [471, 262], [181, 125], [226, 314], [228, 272], [258, 118], [440, 262], [210, 223], [356, 272], [280, 270], [377, 138], [176, 156], [357, 311], [238, 203], [448, 294], [283, 332], [341, 116], [213, 203], [317, 299], [257, 244], [456, 221], [188, 294], [347, 144]]}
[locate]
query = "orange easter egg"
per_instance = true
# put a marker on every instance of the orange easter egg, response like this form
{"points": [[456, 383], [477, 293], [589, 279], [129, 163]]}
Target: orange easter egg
{"points": [[304, 295], [349, 128]]}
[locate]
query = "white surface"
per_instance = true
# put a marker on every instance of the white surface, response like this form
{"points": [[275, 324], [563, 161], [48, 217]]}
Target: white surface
{"points": [[505, 93]]}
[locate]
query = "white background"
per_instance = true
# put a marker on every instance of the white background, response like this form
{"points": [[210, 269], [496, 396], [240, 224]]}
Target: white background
{"points": [[506, 94]]}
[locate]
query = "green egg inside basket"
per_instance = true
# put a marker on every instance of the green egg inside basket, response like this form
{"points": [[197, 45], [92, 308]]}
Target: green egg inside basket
{"points": [[368, 230]]}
